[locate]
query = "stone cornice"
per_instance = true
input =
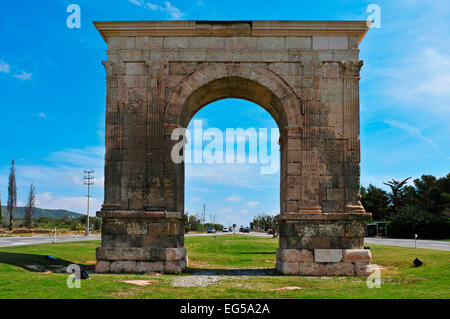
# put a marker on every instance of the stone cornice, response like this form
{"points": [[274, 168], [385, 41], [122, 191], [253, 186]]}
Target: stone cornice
{"points": [[231, 28]]}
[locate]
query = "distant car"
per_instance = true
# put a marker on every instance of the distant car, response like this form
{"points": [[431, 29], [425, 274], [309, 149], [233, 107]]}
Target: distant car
{"points": [[241, 230], [246, 230], [270, 231], [230, 229], [211, 230], [225, 230]]}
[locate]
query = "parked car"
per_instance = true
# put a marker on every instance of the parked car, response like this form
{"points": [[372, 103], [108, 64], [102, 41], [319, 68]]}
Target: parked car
{"points": [[211, 230], [241, 230], [246, 230], [225, 230], [230, 229], [270, 231]]}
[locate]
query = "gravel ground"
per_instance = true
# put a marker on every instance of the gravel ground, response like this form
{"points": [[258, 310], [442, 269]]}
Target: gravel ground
{"points": [[206, 278]]}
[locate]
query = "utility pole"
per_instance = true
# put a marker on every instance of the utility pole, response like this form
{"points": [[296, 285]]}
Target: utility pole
{"points": [[204, 214], [89, 181]]}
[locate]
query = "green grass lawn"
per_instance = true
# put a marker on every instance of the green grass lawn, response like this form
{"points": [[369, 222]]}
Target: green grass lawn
{"points": [[220, 255]]}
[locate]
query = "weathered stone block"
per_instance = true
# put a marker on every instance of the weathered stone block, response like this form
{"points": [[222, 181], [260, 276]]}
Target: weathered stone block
{"points": [[172, 267], [363, 269], [176, 42], [298, 43], [312, 269], [307, 229], [135, 228], [149, 266], [114, 228], [159, 228], [289, 268], [319, 43], [330, 70], [102, 266], [135, 68], [296, 255], [175, 253], [338, 43], [355, 229], [340, 268], [327, 255], [356, 255], [332, 229], [123, 266]]}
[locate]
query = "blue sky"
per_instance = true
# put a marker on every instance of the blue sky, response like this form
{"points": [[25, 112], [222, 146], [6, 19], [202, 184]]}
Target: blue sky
{"points": [[52, 97]]}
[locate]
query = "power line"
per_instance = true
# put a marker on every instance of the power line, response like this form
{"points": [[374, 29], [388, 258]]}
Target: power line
{"points": [[88, 180]]}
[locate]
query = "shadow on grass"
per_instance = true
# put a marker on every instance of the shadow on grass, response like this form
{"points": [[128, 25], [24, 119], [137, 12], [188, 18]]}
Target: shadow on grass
{"points": [[37, 263], [259, 252]]}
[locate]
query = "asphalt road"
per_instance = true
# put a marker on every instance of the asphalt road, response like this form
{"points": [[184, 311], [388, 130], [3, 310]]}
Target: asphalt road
{"points": [[22, 241], [428, 244]]}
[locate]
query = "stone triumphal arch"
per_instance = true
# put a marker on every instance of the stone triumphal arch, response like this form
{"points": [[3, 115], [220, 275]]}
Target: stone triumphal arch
{"points": [[304, 73]]}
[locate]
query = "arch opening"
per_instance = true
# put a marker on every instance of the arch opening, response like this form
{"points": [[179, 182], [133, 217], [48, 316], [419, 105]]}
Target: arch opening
{"points": [[233, 88], [233, 192]]}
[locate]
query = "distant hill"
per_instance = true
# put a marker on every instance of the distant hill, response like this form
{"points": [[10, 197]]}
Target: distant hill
{"points": [[39, 212]]}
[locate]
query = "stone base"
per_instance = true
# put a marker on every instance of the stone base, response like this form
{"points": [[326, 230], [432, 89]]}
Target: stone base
{"points": [[141, 260], [322, 231], [324, 262], [142, 242], [133, 266]]}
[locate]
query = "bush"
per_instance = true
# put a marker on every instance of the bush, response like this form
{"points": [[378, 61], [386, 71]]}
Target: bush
{"points": [[411, 220]]}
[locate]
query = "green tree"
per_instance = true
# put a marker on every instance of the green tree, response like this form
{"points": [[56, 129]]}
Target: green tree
{"points": [[400, 193], [12, 194], [375, 201], [433, 195], [193, 223], [29, 209], [263, 222]]}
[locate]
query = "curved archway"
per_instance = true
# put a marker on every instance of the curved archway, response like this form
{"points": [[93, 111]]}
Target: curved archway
{"points": [[217, 82]]}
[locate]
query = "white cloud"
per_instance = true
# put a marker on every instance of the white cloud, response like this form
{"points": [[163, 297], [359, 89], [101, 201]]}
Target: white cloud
{"points": [[225, 210], [173, 12], [4, 67], [74, 204], [152, 6], [244, 211], [195, 199], [415, 132], [42, 115], [240, 175], [137, 2], [252, 204], [234, 198], [421, 80], [24, 76], [61, 174]]}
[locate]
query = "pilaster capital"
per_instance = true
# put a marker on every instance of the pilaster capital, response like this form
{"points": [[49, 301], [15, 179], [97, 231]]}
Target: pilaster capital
{"points": [[351, 69], [114, 69]]}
